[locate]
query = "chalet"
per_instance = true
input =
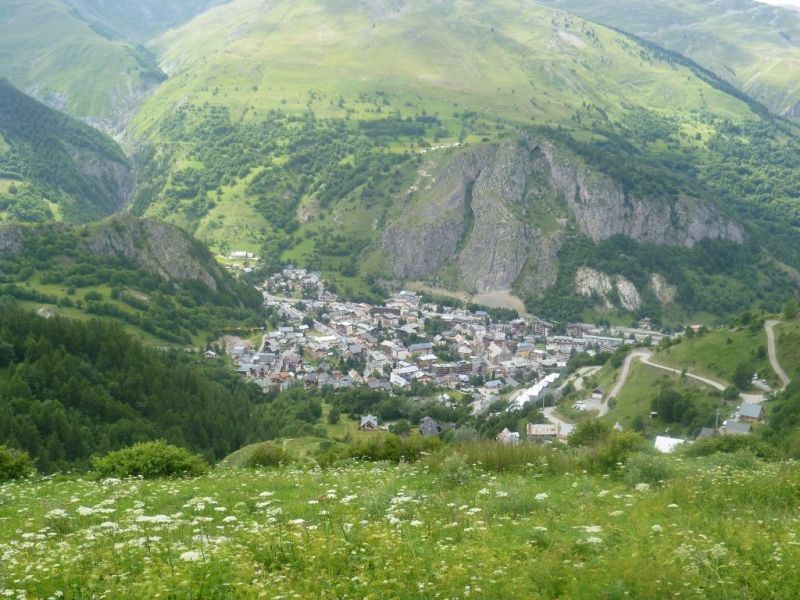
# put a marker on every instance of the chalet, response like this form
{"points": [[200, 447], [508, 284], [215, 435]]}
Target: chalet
{"points": [[597, 394], [368, 423], [420, 348], [426, 361], [542, 328], [706, 432], [210, 354], [751, 412], [542, 432], [508, 437], [736, 428]]}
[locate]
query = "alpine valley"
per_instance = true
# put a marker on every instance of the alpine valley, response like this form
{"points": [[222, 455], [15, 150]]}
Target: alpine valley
{"points": [[482, 149], [399, 299]]}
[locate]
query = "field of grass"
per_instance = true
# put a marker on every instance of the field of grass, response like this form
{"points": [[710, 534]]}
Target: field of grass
{"points": [[717, 528], [743, 44], [308, 54], [717, 354], [49, 51], [634, 400], [787, 343]]}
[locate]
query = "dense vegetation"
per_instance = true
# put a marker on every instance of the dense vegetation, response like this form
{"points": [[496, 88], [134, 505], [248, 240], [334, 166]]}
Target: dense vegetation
{"points": [[55, 158], [70, 389], [450, 524], [721, 278], [55, 266]]}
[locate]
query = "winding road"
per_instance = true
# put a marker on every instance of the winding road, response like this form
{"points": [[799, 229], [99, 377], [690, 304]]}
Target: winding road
{"points": [[646, 355], [769, 326]]}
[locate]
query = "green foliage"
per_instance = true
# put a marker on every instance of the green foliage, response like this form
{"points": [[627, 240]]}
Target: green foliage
{"points": [[648, 468], [43, 147], [268, 455], [394, 448], [150, 460], [730, 444], [590, 433], [454, 471], [76, 389], [743, 375], [59, 258], [14, 464]]}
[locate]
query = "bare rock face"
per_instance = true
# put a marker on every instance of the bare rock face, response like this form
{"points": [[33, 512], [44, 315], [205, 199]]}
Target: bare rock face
{"points": [[10, 238], [591, 283], [664, 291], [499, 212], [158, 247]]}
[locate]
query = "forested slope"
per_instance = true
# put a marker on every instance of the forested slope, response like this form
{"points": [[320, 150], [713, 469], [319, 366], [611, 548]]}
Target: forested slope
{"points": [[54, 166], [69, 389]]}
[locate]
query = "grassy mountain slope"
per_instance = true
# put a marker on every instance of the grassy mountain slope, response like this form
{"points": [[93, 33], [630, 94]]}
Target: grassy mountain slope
{"points": [[152, 277], [57, 164], [55, 56], [508, 59], [139, 21], [754, 46], [321, 133]]}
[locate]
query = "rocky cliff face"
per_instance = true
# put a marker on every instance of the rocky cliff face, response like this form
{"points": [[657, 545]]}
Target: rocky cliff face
{"points": [[499, 212], [113, 178], [10, 238], [157, 247]]}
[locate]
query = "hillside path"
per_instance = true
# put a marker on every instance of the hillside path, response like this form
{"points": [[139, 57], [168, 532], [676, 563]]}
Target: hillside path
{"points": [[769, 326]]}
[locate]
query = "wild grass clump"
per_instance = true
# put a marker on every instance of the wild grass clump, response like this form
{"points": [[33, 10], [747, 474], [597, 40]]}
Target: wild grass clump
{"points": [[269, 455], [648, 468], [14, 464], [454, 471], [496, 457], [150, 460], [394, 448]]}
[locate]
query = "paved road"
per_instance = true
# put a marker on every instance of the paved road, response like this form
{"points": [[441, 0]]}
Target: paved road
{"points": [[564, 427], [773, 353]]}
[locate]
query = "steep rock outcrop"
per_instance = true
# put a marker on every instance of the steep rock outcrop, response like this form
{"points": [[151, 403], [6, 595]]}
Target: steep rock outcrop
{"points": [[158, 247], [10, 238], [499, 212], [592, 283], [602, 209]]}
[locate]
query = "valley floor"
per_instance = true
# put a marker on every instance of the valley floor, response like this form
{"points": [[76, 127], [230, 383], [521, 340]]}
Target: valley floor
{"points": [[722, 527]]}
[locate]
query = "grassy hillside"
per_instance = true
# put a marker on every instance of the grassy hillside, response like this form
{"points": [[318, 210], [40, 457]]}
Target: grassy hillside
{"points": [[55, 56], [754, 46], [715, 528], [152, 278], [635, 403], [718, 353], [301, 129], [52, 166], [138, 22], [506, 60]]}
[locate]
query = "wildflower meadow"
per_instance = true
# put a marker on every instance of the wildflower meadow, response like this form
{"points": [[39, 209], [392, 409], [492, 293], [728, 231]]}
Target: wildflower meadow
{"points": [[717, 527]]}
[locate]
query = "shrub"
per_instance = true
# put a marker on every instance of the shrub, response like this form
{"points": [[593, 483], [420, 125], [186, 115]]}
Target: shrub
{"points": [[730, 444], [454, 471], [606, 456], [269, 455], [14, 464], [150, 460], [493, 456], [394, 448], [647, 468]]}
